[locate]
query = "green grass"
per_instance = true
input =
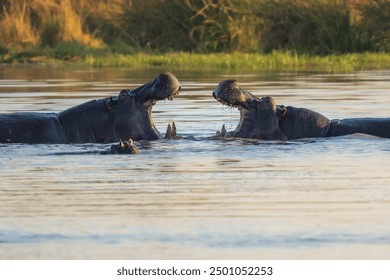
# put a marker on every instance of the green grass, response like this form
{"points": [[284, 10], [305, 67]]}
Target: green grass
{"points": [[257, 62]]}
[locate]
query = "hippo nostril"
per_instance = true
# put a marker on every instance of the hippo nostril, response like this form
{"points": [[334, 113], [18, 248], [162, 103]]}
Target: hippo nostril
{"points": [[214, 95], [179, 88]]}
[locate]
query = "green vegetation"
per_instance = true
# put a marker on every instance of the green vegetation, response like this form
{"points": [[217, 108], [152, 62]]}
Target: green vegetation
{"points": [[267, 35], [275, 61], [269, 62]]}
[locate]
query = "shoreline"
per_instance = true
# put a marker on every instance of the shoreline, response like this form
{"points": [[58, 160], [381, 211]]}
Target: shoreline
{"points": [[276, 61]]}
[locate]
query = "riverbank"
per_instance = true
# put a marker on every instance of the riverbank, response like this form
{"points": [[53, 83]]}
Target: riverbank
{"points": [[273, 62]]}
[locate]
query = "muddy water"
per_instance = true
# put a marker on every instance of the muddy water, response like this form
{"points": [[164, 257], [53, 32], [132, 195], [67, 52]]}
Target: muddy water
{"points": [[195, 198]]}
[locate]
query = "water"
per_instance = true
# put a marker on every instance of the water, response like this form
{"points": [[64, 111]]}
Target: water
{"points": [[196, 198]]}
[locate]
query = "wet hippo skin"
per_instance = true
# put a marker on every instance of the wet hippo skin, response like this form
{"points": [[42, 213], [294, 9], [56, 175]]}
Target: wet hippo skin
{"points": [[125, 116], [260, 118]]}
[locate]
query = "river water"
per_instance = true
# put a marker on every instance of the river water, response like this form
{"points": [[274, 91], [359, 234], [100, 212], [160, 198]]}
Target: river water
{"points": [[195, 198]]}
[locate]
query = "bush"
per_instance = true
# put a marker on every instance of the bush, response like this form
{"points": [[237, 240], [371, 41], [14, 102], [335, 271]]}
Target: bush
{"points": [[226, 25], [305, 26], [299, 26], [157, 25], [375, 24]]}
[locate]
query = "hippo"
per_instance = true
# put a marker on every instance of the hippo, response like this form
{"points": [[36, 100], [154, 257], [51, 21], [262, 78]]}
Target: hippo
{"points": [[261, 118], [127, 115], [124, 147]]}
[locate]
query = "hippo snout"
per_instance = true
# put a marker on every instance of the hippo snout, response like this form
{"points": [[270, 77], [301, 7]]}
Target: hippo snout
{"points": [[168, 78]]}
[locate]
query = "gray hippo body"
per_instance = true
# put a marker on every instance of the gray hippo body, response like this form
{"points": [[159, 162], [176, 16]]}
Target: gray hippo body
{"points": [[128, 115], [260, 118], [304, 123], [31, 128], [372, 126]]}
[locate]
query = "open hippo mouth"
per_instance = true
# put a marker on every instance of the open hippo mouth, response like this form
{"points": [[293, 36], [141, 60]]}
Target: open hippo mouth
{"points": [[229, 93], [165, 86], [258, 116], [131, 111]]}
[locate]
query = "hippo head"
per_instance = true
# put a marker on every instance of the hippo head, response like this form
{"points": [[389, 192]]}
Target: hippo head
{"points": [[258, 116], [124, 147], [131, 111]]}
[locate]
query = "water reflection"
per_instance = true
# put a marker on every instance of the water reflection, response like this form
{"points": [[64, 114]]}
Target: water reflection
{"points": [[195, 197]]}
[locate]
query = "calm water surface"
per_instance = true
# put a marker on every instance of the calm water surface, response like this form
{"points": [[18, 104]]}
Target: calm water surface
{"points": [[196, 198]]}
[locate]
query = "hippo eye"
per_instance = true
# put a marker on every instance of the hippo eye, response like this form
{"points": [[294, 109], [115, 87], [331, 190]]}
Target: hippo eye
{"points": [[114, 100]]}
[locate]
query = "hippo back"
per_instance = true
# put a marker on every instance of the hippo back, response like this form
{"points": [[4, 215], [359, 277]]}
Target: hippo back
{"points": [[373, 126], [303, 123], [87, 123], [31, 128]]}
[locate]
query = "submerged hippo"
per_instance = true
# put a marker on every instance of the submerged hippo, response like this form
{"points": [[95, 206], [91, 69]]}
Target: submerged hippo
{"points": [[262, 119], [128, 115], [124, 147]]}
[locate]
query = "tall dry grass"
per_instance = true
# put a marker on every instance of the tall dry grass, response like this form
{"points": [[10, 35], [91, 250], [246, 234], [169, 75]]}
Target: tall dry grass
{"points": [[319, 27], [374, 24], [226, 25], [152, 25], [301, 26], [16, 25], [44, 22]]}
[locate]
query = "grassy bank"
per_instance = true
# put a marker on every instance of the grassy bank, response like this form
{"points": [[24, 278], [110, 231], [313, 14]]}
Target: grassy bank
{"points": [[255, 35], [276, 61]]}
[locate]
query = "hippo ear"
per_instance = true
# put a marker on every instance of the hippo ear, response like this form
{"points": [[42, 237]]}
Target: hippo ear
{"points": [[124, 95], [281, 111]]}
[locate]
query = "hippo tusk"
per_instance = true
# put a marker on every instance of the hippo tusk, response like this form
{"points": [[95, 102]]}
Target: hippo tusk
{"points": [[121, 144], [171, 132], [168, 134], [223, 131], [173, 129]]}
